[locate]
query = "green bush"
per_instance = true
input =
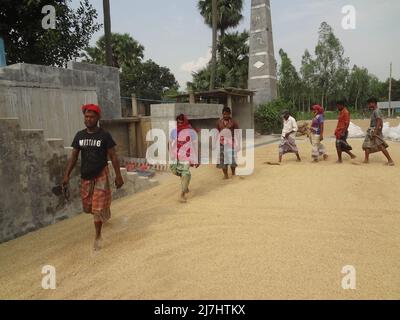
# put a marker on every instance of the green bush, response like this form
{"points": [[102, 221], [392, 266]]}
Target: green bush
{"points": [[268, 117]]}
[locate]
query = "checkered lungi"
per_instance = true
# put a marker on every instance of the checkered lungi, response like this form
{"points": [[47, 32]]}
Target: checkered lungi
{"points": [[288, 145], [96, 196]]}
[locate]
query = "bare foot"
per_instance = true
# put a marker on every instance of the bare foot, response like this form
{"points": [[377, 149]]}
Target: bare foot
{"points": [[353, 157], [326, 157], [315, 161], [97, 245], [339, 161], [298, 160], [366, 161], [391, 164], [183, 199]]}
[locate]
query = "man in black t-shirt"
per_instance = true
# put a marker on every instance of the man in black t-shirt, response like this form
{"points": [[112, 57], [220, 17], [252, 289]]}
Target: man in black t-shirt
{"points": [[95, 146]]}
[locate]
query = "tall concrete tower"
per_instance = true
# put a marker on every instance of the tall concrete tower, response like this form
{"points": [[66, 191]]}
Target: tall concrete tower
{"points": [[262, 66]]}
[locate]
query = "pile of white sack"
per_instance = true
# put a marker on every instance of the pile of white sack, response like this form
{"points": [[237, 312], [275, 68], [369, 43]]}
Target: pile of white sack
{"points": [[355, 131], [391, 133]]}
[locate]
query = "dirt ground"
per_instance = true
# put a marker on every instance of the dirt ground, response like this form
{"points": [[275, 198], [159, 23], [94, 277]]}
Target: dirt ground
{"points": [[284, 232]]}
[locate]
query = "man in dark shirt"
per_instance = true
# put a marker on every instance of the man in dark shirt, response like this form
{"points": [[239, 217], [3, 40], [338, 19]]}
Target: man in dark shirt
{"points": [[95, 145]]}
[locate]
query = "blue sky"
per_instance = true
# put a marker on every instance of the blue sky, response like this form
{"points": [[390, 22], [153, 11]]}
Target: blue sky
{"points": [[174, 34]]}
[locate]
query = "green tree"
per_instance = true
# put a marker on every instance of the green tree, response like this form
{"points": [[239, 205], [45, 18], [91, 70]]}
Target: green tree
{"points": [[144, 78], [307, 72], [268, 117], [395, 89], [229, 13], [289, 81], [330, 64], [358, 86], [27, 41], [229, 16], [126, 51], [233, 71], [154, 81], [377, 89]]}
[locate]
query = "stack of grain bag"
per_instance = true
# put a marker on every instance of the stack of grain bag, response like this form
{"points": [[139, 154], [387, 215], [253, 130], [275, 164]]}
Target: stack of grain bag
{"points": [[355, 131], [391, 133]]}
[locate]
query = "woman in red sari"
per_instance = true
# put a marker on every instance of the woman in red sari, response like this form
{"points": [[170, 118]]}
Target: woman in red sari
{"points": [[183, 149]]}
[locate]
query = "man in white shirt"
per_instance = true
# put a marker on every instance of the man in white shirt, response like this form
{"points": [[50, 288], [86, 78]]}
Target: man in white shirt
{"points": [[288, 142]]}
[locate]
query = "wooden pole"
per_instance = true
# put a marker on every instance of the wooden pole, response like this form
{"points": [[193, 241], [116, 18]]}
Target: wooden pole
{"points": [[214, 44], [107, 31], [390, 91]]}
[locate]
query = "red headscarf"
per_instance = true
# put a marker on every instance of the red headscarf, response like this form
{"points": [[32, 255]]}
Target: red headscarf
{"points": [[184, 138], [317, 108], [184, 125], [91, 107]]}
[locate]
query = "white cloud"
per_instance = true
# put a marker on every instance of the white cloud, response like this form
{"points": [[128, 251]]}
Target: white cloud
{"points": [[194, 66]]}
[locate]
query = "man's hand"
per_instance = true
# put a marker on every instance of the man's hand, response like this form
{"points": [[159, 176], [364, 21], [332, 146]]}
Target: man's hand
{"points": [[321, 138], [71, 164], [65, 180], [119, 182], [287, 135]]}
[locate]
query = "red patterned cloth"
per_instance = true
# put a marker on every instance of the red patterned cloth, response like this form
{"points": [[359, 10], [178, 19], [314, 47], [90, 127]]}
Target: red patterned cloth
{"points": [[96, 196]]}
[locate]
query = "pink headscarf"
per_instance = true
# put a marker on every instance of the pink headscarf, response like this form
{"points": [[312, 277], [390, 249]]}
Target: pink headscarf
{"points": [[317, 108]]}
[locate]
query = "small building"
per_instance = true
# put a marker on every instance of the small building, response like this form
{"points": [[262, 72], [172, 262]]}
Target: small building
{"points": [[239, 100], [395, 106]]}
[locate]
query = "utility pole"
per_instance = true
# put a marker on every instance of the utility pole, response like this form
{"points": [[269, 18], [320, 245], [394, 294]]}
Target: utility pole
{"points": [[214, 43], [107, 32], [2, 53], [390, 91]]}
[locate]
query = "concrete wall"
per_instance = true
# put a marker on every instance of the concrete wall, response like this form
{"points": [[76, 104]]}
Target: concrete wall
{"points": [[30, 166], [107, 87], [50, 98], [201, 114], [244, 114], [46, 98]]}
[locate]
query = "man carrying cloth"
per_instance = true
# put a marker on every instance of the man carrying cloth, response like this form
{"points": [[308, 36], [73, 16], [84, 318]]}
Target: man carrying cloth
{"points": [[342, 132], [95, 145], [374, 140], [288, 142]]}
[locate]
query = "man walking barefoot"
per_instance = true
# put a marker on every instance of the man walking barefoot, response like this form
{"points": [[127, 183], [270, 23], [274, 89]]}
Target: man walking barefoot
{"points": [[342, 132], [374, 140], [228, 144], [95, 145], [288, 138]]}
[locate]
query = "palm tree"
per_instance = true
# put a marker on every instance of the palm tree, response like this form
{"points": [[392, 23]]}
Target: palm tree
{"points": [[229, 15], [107, 32]]}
